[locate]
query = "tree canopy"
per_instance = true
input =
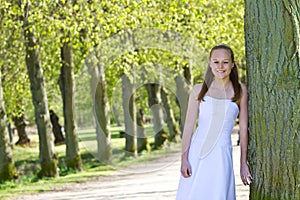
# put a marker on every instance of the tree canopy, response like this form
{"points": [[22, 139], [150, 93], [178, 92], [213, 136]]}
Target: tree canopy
{"points": [[92, 22]]}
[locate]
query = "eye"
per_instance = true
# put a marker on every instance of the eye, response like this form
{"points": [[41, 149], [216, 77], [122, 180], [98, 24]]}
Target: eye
{"points": [[216, 62], [226, 62]]}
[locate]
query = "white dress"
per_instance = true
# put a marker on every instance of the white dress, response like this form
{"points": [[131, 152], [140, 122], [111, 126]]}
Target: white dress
{"points": [[210, 153]]}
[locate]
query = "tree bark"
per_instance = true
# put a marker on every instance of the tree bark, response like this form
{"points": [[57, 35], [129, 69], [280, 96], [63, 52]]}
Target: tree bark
{"points": [[155, 105], [67, 87], [142, 140], [21, 123], [182, 94], [48, 158], [129, 107], [7, 167], [187, 73], [174, 135], [273, 62], [56, 129]]}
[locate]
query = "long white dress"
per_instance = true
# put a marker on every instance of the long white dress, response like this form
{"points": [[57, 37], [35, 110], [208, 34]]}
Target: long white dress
{"points": [[210, 153]]}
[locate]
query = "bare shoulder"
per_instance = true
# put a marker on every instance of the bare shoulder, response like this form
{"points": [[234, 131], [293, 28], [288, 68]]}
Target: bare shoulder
{"points": [[196, 90], [197, 87]]}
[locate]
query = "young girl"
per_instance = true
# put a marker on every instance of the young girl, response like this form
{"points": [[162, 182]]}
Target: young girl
{"points": [[206, 162]]}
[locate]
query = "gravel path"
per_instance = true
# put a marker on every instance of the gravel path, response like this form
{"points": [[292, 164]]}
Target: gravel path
{"points": [[157, 179]]}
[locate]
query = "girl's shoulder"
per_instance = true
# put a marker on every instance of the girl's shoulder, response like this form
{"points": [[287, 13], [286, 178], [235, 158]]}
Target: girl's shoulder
{"points": [[197, 87], [196, 90]]}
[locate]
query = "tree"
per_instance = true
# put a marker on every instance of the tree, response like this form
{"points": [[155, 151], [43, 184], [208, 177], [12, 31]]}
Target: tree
{"points": [[67, 87], [21, 122], [155, 105], [48, 159], [101, 108], [182, 93], [272, 48], [173, 128], [129, 107], [142, 141], [14, 77], [7, 167]]}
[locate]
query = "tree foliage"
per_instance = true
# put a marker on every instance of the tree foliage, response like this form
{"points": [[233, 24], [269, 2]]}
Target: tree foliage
{"points": [[180, 26], [90, 22]]}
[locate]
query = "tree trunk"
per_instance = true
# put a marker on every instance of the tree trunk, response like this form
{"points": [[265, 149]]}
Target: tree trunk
{"points": [[7, 167], [56, 129], [182, 94], [174, 135], [142, 141], [48, 158], [116, 115], [21, 123], [155, 105], [67, 85], [129, 107], [101, 112], [187, 73], [273, 63]]}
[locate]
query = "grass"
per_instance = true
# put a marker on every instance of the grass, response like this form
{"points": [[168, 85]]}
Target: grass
{"points": [[27, 164]]}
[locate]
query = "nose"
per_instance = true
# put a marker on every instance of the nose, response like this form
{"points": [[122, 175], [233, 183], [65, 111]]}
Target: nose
{"points": [[220, 64]]}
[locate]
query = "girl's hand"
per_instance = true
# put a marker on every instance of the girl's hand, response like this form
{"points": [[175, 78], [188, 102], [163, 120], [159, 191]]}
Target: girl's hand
{"points": [[185, 169], [245, 174]]}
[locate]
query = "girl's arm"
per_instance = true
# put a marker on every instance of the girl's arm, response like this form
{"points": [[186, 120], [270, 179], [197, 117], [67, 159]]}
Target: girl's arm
{"points": [[243, 126], [190, 120]]}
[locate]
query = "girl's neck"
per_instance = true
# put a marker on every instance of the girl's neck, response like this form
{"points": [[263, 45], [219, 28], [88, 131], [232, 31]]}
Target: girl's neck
{"points": [[221, 83]]}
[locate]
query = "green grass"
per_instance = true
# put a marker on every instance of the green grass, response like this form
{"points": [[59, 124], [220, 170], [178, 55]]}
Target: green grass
{"points": [[27, 164]]}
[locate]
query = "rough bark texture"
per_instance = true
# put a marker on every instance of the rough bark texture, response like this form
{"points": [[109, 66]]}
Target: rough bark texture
{"points": [[101, 111], [129, 107], [273, 69], [155, 105], [7, 167], [174, 135], [48, 158], [67, 87]]}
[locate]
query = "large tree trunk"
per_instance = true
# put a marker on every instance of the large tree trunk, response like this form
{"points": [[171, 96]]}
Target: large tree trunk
{"points": [[174, 135], [67, 85], [273, 63], [48, 158], [7, 167], [129, 107], [101, 112], [155, 105]]}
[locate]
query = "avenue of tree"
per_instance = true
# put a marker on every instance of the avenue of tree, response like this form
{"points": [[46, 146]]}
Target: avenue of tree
{"points": [[103, 62]]}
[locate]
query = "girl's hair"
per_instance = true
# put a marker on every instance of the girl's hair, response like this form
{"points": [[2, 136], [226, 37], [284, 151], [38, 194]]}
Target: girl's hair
{"points": [[234, 76]]}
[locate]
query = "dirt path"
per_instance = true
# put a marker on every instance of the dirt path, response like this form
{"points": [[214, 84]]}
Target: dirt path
{"points": [[154, 180]]}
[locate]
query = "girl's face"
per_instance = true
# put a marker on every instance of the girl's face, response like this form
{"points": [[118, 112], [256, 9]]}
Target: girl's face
{"points": [[221, 63]]}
